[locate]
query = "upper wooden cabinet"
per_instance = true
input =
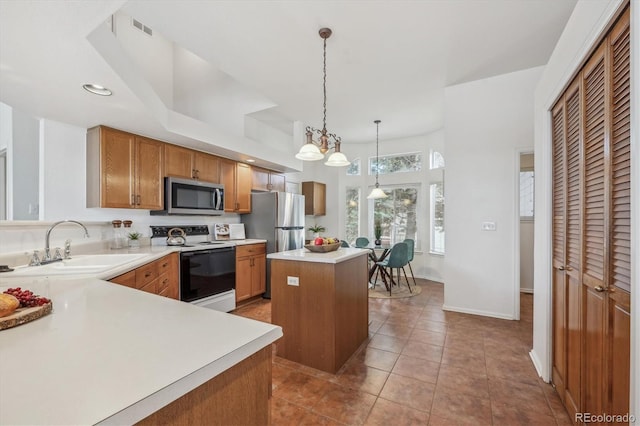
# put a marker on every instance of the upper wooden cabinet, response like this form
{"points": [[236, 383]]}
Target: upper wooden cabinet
{"points": [[236, 178], [314, 198], [123, 170], [190, 164], [267, 180]]}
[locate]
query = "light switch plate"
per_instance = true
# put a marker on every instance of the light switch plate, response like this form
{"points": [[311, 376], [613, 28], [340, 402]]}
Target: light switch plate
{"points": [[293, 281], [488, 226]]}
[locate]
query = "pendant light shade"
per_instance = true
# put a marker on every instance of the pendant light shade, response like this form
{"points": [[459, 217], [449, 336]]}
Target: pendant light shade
{"points": [[377, 193], [315, 150]]}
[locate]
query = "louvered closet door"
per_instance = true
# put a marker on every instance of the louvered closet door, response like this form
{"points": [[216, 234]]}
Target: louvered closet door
{"points": [[595, 232], [558, 233], [619, 285], [573, 246]]}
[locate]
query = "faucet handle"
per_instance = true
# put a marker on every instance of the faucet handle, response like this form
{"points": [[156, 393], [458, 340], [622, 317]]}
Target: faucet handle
{"points": [[35, 260], [67, 249], [57, 255]]}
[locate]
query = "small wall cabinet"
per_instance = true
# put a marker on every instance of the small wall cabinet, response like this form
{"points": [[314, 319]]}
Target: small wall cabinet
{"points": [[314, 198], [236, 178], [190, 164], [251, 264], [267, 180], [123, 170]]}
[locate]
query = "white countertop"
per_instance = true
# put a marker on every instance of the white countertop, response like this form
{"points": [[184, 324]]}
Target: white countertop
{"points": [[111, 354], [304, 255]]}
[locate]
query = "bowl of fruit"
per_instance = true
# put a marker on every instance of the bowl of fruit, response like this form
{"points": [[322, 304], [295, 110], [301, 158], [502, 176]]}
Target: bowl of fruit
{"points": [[323, 245]]}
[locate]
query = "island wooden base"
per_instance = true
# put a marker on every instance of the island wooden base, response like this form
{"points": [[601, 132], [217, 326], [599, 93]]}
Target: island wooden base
{"points": [[239, 396], [325, 318]]}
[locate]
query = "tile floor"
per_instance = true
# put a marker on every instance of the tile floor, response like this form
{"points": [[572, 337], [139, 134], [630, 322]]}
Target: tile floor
{"points": [[421, 365]]}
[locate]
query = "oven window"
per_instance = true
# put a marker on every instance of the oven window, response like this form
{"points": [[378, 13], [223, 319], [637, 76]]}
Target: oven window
{"points": [[192, 197], [206, 273]]}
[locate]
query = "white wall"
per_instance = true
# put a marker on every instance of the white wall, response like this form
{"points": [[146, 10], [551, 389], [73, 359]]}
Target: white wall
{"points": [[526, 255], [486, 121]]}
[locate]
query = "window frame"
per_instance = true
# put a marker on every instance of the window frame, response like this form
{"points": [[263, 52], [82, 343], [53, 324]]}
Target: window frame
{"points": [[432, 207]]}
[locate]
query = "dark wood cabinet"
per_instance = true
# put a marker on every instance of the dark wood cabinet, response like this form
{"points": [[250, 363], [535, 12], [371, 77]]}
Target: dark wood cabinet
{"points": [[236, 178], [190, 164], [157, 277], [314, 198], [251, 263], [267, 180]]}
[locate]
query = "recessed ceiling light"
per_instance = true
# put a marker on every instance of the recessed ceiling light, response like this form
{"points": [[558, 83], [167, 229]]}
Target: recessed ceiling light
{"points": [[97, 89], [250, 160]]}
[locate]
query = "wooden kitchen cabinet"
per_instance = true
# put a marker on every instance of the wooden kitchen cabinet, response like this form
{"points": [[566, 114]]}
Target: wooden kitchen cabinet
{"points": [[251, 271], [158, 277], [314, 198], [267, 180], [190, 164], [236, 178], [123, 170]]}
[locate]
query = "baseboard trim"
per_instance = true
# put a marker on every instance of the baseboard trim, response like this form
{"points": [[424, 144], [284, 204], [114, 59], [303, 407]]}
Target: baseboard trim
{"points": [[526, 290], [477, 312], [537, 365]]}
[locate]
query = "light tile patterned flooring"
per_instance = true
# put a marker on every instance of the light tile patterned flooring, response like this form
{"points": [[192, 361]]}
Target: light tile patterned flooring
{"points": [[421, 365]]}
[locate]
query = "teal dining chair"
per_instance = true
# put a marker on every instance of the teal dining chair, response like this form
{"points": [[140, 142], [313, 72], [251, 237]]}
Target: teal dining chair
{"points": [[362, 242], [397, 259], [411, 245], [343, 243]]}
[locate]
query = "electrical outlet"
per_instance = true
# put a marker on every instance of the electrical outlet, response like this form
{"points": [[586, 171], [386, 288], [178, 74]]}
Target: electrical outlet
{"points": [[488, 226], [293, 281]]}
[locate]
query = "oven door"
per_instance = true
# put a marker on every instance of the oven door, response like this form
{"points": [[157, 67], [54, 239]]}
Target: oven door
{"points": [[204, 273]]}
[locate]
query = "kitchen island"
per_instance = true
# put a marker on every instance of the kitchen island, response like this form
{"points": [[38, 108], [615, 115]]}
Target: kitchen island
{"points": [[114, 355], [321, 302]]}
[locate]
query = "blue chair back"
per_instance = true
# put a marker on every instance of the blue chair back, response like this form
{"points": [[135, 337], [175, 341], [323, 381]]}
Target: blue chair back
{"points": [[411, 246], [399, 256], [343, 243], [362, 242]]}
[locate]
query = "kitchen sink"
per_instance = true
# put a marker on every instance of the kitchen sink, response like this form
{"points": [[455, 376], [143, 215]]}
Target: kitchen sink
{"points": [[81, 264]]}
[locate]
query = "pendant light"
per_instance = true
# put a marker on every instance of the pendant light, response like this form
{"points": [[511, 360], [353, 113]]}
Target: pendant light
{"points": [[315, 150], [376, 192]]}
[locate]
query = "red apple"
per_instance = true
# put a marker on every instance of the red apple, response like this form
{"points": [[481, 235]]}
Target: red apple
{"points": [[318, 241]]}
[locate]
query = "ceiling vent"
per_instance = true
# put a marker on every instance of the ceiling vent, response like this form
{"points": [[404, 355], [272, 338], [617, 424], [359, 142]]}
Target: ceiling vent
{"points": [[139, 25]]}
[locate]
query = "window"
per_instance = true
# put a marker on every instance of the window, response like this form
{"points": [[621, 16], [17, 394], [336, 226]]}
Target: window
{"points": [[354, 168], [396, 163], [436, 160], [526, 194], [352, 222], [397, 214], [436, 191]]}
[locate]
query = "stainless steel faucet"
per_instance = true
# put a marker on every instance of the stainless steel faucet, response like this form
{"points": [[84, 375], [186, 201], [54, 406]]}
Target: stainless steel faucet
{"points": [[47, 252]]}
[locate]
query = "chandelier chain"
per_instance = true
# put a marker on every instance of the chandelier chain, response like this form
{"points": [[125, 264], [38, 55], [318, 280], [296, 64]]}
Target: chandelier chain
{"points": [[324, 86], [377, 157]]}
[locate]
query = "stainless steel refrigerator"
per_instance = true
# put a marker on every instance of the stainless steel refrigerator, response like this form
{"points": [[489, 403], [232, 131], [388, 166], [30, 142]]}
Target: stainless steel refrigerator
{"points": [[277, 217]]}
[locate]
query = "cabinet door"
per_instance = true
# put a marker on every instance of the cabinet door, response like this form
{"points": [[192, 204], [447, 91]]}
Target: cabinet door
{"points": [[178, 161], [228, 179], [127, 279], [277, 182], [207, 167], [149, 176], [117, 164], [169, 281], [258, 279], [243, 188], [260, 179], [243, 278]]}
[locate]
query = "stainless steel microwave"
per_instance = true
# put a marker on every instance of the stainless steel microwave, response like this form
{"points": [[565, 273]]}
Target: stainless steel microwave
{"points": [[191, 197]]}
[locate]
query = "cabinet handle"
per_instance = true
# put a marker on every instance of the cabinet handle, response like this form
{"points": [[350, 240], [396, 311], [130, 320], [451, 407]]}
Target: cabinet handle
{"points": [[600, 289], [147, 275], [138, 198], [164, 265], [560, 268], [165, 281], [133, 200]]}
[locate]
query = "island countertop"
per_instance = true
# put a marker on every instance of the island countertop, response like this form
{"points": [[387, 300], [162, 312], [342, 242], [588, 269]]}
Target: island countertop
{"points": [[304, 255], [110, 354]]}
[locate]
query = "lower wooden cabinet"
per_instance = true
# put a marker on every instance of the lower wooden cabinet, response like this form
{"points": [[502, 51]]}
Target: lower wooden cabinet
{"points": [[158, 277], [251, 267]]}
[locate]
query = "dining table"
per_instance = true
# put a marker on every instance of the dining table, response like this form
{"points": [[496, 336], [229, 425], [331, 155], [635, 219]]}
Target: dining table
{"points": [[377, 253]]}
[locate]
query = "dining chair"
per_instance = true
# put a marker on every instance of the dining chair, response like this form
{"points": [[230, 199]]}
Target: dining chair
{"points": [[398, 258], [343, 243], [411, 245], [362, 242]]}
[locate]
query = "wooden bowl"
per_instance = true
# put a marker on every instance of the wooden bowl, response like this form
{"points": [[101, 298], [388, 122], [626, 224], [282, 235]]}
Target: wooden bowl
{"points": [[322, 249]]}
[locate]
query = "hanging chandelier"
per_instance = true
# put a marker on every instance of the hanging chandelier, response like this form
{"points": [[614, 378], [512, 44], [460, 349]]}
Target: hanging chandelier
{"points": [[315, 150], [377, 192]]}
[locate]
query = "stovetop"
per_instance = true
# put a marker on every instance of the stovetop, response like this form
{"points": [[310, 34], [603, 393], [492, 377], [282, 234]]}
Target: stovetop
{"points": [[197, 237]]}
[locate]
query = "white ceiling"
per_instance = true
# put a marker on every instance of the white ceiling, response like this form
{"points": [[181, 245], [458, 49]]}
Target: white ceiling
{"points": [[386, 59]]}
